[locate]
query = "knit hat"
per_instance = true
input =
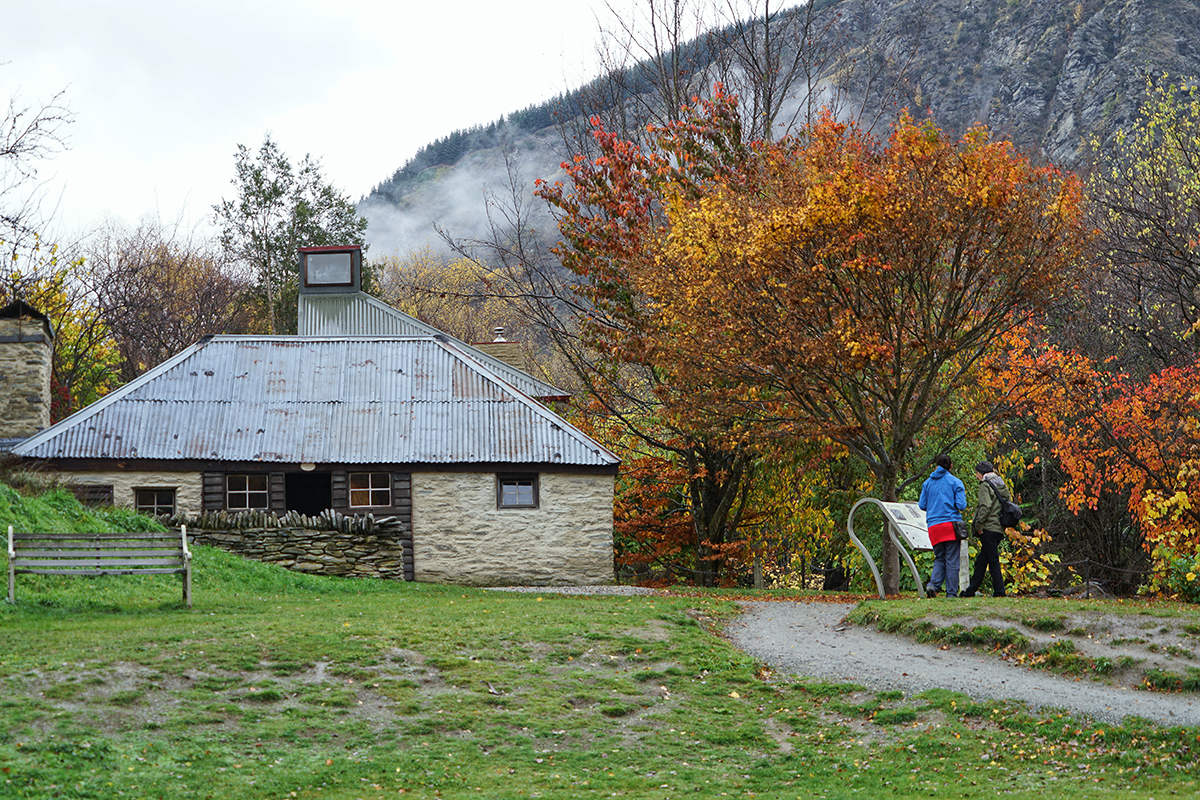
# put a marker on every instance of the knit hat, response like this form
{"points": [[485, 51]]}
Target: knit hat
{"points": [[984, 467]]}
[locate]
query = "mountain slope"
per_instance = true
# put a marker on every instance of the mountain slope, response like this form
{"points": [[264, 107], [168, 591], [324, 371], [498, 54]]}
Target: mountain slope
{"points": [[1048, 75]]}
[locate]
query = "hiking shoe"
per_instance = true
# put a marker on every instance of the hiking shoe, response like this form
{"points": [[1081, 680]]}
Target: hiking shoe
{"points": [[931, 591]]}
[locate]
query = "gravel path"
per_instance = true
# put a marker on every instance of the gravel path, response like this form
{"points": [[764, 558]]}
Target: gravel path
{"points": [[810, 639]]}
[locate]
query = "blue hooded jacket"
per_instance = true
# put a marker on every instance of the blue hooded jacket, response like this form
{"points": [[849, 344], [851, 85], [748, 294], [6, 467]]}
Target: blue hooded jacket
{"points": [[943, 498]]}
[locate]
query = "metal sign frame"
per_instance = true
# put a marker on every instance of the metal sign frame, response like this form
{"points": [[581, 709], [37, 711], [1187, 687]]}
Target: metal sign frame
{"points": [[904, 521]]}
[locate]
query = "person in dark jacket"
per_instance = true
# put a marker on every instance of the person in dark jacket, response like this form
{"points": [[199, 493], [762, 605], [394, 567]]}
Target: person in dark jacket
{"points": [[986, 523], [943, 499]]}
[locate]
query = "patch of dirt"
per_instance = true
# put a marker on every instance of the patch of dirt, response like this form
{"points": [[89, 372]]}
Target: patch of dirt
{"points": [[124, 696], [403, 688], [656, 630], [780, 733]]}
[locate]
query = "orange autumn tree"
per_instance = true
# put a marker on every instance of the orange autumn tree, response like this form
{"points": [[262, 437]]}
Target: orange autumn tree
{"points": [[664, 528], [609, 216], [1119, 409], [827, 286], [1111, 432]]}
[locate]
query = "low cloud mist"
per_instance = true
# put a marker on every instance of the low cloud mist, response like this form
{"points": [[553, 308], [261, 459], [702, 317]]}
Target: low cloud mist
{"points": [[454, 199]]}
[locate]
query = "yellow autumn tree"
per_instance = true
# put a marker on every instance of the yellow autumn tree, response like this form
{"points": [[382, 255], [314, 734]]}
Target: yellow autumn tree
{"points": [[85, 358], [467, 300]]}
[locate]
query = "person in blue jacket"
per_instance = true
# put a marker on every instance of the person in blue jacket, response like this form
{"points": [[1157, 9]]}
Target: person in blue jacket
{"points": [[943, 499]]}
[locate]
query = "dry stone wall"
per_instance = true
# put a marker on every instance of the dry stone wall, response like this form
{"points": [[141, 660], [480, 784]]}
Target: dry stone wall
{"points": [[352, 547]]}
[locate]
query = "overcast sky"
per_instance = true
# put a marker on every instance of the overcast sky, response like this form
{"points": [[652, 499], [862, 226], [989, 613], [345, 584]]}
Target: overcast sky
{"points": [[164, 90]]}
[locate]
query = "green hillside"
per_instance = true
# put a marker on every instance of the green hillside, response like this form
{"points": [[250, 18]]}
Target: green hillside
{"points": [[57, 511]]}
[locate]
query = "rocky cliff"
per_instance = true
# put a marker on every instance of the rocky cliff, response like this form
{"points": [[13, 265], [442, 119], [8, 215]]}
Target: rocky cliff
{"points": [[1048, 75]]}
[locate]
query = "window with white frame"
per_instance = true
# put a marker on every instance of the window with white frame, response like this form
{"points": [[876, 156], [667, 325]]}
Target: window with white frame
{"points": [[243, 492], [370, 489], [517, 491]]}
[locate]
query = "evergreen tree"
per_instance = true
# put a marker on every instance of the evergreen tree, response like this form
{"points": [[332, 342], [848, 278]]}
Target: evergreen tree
{"points": [[279, 209]]}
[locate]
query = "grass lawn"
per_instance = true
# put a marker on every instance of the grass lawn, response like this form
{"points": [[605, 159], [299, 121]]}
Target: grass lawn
{"points": [[280, 685]]}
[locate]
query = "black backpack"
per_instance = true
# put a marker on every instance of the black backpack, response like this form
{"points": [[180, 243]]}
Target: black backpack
{"points": [[1010, 512]]}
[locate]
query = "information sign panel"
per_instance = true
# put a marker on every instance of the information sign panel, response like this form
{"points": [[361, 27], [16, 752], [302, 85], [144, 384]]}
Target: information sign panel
{"points": [[909, 521]]}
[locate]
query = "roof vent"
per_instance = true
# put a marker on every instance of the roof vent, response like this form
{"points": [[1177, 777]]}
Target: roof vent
{"points": [[502, 349]]}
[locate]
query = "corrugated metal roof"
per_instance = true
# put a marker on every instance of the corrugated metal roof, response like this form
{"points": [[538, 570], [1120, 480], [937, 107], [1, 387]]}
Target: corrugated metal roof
{"points": [[355, 314], [360, 314], [320, 400]]}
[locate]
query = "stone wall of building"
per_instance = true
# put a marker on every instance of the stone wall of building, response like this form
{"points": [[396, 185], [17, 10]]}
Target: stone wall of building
{"points": [[188, 486], [461, 537], [458, 535], [25, 358]]}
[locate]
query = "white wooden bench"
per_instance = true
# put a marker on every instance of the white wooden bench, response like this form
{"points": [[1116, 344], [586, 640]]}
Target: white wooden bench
{"points": [[92, 554]]}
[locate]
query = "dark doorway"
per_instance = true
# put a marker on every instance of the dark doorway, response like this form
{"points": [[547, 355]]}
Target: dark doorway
{"points": [[308, 492]]}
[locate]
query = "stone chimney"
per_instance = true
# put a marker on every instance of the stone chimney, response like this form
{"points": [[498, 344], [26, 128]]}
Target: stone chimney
{"points": [[26, 346], [504, 350]]}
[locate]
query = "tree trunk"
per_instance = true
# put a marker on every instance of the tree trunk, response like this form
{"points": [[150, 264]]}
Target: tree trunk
{"points": [[891, 554], [714, 488]]}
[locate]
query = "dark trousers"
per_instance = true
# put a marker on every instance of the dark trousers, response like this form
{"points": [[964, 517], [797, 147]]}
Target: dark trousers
{"points": [[987, 558]]}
